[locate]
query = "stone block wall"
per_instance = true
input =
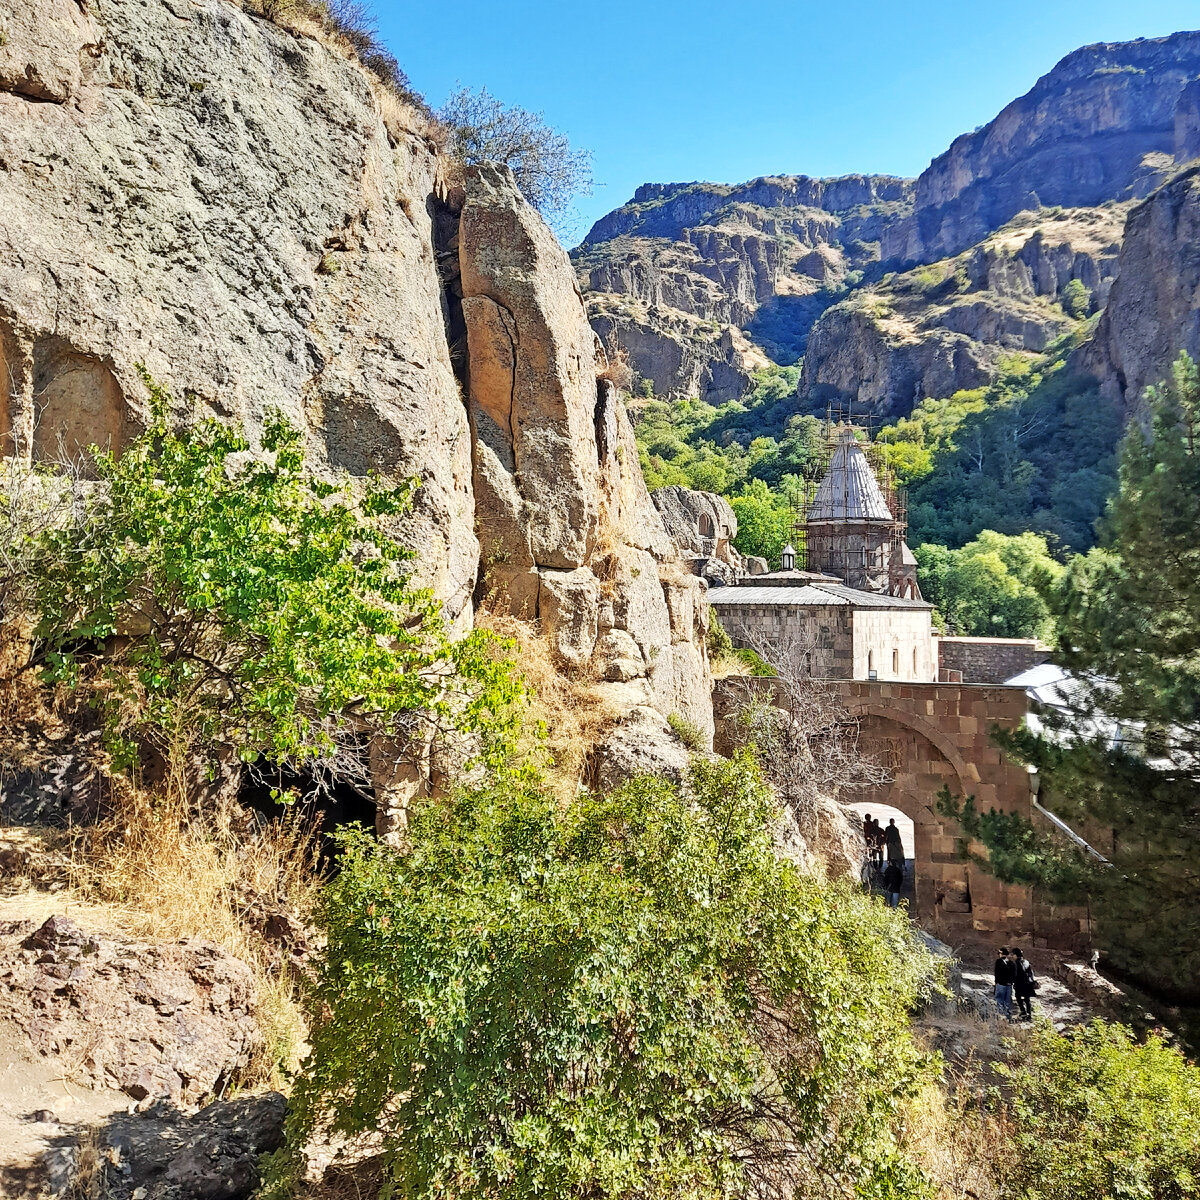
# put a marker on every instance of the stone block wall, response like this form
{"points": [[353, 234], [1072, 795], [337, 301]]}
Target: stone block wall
{"points": [[988, 660], [897, 643]]}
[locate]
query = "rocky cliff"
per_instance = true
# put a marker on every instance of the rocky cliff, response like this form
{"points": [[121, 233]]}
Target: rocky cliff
{"points": [[703, 283], [1152, 312], [251, 216], [1099, 126], [933, 330]]}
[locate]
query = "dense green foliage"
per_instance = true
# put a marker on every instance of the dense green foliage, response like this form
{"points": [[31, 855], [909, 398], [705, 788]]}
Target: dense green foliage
{"points": [[1093, 1113], [636, 996], [240, 602], [993, 586], [1119, 756], [1033, 451]]}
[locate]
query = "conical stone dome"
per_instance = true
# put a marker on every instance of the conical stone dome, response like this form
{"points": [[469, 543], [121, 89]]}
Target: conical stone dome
{"points": [[849, 491]]}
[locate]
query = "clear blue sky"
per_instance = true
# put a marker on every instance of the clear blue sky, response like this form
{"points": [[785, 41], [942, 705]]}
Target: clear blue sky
{"points": [[670, 91]]}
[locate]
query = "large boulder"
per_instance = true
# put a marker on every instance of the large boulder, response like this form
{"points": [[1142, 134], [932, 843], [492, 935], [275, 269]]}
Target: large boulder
{"points": [[571, 538], [169, 1020], [164, 1154]]}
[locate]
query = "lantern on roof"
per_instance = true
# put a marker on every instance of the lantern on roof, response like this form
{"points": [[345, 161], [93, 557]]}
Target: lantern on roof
{"points": [[788, 557]]}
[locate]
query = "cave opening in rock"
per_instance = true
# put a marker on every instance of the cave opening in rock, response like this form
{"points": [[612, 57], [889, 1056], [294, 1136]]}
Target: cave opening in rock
{"points": [[330, 804]]}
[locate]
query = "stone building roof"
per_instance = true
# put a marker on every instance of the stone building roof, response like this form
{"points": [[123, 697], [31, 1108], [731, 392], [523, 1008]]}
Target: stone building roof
{"points": [[849, 491], [807, 595]]}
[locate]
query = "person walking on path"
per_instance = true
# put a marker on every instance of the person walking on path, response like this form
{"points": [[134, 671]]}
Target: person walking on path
{"points": [[1005, 974], [895, 847], [1024, 984], [893, 881]]}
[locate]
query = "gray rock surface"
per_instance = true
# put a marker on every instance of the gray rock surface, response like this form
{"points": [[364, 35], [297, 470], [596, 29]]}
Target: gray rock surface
{"points": [[171, 1020], [702, 525], [164, 1154], [1152, 312], [641, 744], [203, 192]]}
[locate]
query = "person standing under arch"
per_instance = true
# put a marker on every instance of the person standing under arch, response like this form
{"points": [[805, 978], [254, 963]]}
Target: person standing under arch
{"points": [[894, 843]]}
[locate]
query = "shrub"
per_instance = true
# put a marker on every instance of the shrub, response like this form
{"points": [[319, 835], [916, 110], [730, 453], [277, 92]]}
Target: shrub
{"points": [[216, 600], [547, 170], [636, 996], [1076, 300], [1095, 1113], [688, 733]]}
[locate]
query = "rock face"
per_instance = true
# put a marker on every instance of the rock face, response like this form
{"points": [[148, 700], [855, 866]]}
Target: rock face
{"points": [[247, 214], [699, 282], [163, 1154], [207, 194], [570, 536], [1152, 312], [1099, 126], [932, 331], [171, 1020], [703, 526]]}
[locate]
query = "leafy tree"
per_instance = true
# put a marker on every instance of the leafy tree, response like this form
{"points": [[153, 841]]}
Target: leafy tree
{"points": [[212, 598], [1093, 1113], [993, 587], [1076, 299], [765, 522], [637, 996], [1121, 756], [547, 170]]}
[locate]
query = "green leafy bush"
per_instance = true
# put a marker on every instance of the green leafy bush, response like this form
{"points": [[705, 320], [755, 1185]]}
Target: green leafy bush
{"points": [[688, 733], [210, 595], [1094, 1114], [1076, 299], [636, 996]]}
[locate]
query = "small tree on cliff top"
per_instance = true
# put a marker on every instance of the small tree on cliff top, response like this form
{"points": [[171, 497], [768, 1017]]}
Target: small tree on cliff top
{"points": [[547, 170], [211, 597]]}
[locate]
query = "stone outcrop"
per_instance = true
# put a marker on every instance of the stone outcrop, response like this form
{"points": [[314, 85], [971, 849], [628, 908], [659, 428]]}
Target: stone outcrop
{"points": [[703, 526], [164, 1154], [700, 282], [1187, 123], [1151, 313], [1099, 126], [165, 1020], [208, 194], [570, 536], [935, 330], [246, 213]]}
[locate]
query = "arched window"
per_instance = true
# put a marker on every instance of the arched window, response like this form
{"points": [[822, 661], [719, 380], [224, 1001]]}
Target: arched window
{"points": [[914, 661], [707, 528], [870, 661]]}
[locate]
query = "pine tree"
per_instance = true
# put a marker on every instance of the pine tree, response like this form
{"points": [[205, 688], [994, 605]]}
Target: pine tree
{"points": [[1120, 759]]}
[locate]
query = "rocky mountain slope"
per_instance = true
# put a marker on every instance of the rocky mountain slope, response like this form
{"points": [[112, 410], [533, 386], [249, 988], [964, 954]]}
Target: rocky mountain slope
{"points": [[985, 241], [703, 283]]}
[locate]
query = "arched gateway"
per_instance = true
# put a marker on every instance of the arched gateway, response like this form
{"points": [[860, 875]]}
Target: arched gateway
{"points": [[931, 736]]}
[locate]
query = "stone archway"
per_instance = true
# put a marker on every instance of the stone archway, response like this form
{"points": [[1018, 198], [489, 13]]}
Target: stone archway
{"points": [[920, 762]]}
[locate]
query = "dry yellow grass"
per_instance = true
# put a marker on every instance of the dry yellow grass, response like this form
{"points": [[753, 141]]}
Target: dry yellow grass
{"points": [[567, 716], [166, 871]]}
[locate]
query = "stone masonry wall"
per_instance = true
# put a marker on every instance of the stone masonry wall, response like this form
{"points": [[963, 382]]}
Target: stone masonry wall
{"points": [[989, 660]]}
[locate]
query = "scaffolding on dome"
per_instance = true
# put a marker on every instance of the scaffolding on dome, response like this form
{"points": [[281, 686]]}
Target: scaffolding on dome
{"points": [[855, 518]]}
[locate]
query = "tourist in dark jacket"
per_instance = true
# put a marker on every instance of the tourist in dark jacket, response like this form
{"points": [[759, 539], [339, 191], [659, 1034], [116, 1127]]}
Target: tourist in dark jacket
{"points": [[1024, 984], [895, 847], [893, 882], [1006, 975]]}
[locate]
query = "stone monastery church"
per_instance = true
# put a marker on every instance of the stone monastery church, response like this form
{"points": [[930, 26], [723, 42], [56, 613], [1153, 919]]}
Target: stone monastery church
{"points": [[851, 600]]}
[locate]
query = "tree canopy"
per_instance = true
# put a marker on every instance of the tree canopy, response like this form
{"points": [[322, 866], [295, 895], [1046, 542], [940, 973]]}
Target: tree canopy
{"points": [[636, 996], [1120, 757]]}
